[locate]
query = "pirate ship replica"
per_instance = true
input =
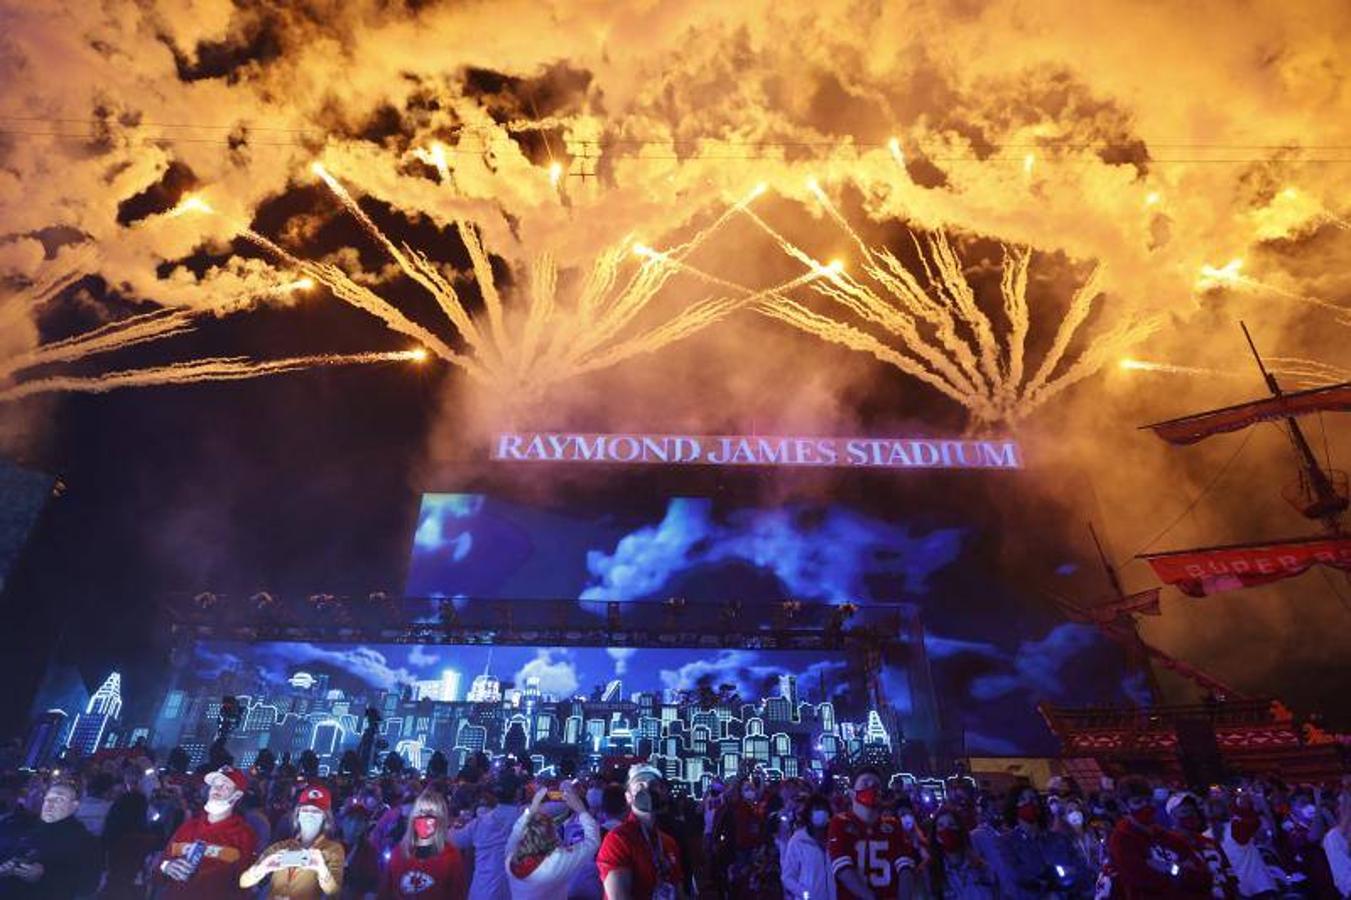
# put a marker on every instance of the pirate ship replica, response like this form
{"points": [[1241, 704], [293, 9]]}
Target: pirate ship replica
{"points": [[1228, 731]]}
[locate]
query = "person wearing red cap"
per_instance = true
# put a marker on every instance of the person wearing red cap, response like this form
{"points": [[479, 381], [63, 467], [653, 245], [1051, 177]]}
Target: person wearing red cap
{"points": [[309, 865], [208, 852]]}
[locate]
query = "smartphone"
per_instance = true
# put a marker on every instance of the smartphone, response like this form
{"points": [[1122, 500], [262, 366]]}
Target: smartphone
{"points": [[294, 859], [555, 795]]}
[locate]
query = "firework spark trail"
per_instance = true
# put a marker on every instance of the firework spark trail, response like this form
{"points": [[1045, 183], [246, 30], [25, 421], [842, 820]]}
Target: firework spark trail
{"points": [[1144, 365], [983, 374], [953, 279], [421, 270], [1093, 358], [543, 342], [151, 326], [212, 369], [52, 279], [900, 284], [1231, 275], [828, 329], [1336, 221], [1080, 306], [1305, 373], [1013, 286], [363, 298]]}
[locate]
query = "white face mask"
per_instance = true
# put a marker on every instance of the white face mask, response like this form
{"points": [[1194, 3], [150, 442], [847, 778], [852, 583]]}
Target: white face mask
{"points": [[218, 807], [820, 818], [310, 824], [908, 822], [1075, 818]]}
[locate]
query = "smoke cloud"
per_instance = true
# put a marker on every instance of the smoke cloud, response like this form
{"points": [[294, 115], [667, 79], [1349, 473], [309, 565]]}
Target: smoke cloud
{"points": [[570, 128]]}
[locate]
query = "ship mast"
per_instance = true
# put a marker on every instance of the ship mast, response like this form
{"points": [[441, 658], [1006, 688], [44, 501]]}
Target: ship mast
{"points": [[1327, 505], [1122, 601]]}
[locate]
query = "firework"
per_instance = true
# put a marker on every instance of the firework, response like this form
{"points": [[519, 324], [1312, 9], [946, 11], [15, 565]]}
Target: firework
{"points": [[1231, 276], [929, 325], [199, 370], [541, 338]]}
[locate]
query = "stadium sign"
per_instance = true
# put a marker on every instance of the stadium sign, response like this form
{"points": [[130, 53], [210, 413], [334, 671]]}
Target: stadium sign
{"points": [[743, 450]]}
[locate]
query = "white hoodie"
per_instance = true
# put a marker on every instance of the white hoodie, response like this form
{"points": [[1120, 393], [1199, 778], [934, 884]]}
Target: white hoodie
{"points": [[552, 876], [805, 870]]}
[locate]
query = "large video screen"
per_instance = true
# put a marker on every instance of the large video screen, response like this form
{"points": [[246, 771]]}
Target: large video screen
{"points": [[966, 676], [698, 716], [972, 654]]}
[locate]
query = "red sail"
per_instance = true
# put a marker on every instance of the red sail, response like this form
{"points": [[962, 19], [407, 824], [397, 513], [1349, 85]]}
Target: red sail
{"points": [[1190, 429], [1213, 570]]}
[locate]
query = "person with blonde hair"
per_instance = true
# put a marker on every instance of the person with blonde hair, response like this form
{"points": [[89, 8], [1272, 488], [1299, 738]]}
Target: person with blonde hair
{"points": [[537, 867], [309, 865], [424, 865]]}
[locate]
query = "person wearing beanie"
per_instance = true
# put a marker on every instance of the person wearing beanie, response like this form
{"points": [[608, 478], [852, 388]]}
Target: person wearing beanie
{"points": [[208, 852], [309, 865]]}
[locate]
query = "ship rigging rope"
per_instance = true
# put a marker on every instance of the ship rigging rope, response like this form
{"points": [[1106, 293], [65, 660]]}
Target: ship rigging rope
{"points": [[1214, 480]]}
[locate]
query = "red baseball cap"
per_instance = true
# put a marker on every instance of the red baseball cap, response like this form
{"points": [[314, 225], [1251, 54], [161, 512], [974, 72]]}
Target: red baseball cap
{"points": [[315, 795], [236, 777]]}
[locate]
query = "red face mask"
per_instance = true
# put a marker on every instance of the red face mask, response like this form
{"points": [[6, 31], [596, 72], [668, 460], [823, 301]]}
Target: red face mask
{"points": [[868, 797], [950, 839], [1028, 812], [424, 827]]}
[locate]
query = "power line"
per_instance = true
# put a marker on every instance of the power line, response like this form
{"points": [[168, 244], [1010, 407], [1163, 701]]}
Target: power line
{"points": [[622, 146]]}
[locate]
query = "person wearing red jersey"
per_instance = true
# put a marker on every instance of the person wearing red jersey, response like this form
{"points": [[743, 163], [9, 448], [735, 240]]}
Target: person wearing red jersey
{"points": [[869, 854], [220, 841], [425, 865], [1184, 810], [1147, 861], [637, 860]]}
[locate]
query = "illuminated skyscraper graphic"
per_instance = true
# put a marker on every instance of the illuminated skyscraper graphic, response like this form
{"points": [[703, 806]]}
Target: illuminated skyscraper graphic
{"points": [[87, 734]]}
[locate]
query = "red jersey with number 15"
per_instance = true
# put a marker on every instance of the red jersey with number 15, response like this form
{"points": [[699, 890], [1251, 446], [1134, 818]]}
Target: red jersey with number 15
{"points": [[878, 852]]}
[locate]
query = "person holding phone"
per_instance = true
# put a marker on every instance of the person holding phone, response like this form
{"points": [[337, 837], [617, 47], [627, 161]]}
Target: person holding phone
{"points": [[309, 865], [537, 866]]}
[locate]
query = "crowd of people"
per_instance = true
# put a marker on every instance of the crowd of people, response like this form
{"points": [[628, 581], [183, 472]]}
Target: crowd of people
{"points": [[124, 828]]}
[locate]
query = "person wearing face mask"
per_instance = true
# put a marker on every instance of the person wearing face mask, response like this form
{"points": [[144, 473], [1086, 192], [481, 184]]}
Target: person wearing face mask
{"points": [[208, 852], [1239, 842], [1145, 860], [309, 865], [956, 871], [1084, 839], [425, 865], [869, 854], [639, 861], [1189, 824], [1037, 862], [804, 868], [905, 814]]}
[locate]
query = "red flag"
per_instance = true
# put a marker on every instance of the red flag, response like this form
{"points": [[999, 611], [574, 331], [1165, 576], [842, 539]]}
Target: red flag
{"points": [[1213, 570], [1190, 429]]}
